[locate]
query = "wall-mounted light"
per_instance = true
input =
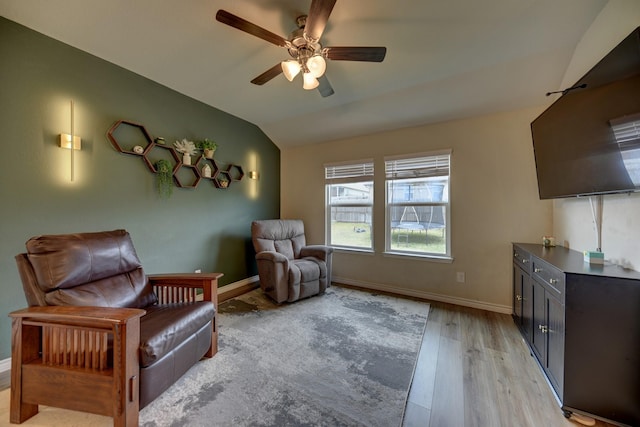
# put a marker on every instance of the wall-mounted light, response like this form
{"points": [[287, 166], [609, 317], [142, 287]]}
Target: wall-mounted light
{"points": [[253, 175], [69, 140]]}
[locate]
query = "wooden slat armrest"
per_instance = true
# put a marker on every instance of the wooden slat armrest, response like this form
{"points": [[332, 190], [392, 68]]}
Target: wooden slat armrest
{"points": [[208, 282], [102, 317], [183, 279], [60, 355]]}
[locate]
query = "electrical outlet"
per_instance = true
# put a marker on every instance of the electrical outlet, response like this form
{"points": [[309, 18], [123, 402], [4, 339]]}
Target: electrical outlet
{"points": [[198, 271], [460, 277]]}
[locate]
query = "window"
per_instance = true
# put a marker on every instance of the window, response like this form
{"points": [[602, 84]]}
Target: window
{"points": [[349, 203], [417, 204]]}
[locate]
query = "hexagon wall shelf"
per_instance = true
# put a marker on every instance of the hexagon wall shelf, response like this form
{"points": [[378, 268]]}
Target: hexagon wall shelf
{"points": [[127, 136]]}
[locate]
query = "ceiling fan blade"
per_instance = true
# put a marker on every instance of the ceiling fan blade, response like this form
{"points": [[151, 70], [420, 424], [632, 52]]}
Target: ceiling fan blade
{"points": [[250, 28], [369, 54], [324, 87], [317, 19], [268, 75]]}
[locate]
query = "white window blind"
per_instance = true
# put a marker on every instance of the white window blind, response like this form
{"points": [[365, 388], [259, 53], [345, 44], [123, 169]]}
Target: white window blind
{"points": [[349, 172], [422, 166]]}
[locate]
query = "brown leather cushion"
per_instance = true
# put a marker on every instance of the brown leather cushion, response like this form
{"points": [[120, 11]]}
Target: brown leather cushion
{"points": [[165, 327], [100, 269]]}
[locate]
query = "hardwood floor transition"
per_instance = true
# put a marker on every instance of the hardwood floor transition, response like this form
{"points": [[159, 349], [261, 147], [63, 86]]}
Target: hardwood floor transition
{"points": [[474, 369]]}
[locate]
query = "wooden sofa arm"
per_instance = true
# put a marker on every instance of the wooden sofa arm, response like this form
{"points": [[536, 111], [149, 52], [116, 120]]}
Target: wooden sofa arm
{"points": [[59, 353], [182, 287], [98, 317]]}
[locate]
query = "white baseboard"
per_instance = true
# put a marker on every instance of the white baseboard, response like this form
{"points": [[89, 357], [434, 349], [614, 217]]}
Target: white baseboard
{"points": [[5, 373], [239, 284], [488, 306]]}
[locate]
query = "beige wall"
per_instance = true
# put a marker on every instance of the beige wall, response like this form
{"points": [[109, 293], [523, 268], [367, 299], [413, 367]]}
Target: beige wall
{"points": [[494, 201], [572, 217]]}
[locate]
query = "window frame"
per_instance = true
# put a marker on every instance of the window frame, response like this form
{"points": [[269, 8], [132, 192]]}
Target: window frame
{"points": [[348, 172], [397, 176]]}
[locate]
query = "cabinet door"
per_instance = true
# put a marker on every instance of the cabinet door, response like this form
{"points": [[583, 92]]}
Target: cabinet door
{"points": [[527, 307], [518, 280], [538, 336], [555, 344]]}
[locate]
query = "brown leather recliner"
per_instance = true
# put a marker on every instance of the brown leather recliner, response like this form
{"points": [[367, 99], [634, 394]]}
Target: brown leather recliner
{"points": [[289, 270], [99, 335]]}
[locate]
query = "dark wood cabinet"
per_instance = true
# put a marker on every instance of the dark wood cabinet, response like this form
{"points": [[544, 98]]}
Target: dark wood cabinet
{"points": [[582, 323]]}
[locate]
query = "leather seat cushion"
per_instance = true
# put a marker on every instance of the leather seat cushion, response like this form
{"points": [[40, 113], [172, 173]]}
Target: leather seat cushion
{"points": [[166, 326]]}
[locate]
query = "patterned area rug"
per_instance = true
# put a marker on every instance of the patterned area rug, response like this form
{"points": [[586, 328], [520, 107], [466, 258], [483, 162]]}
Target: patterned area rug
{"points": [[345, 358]]}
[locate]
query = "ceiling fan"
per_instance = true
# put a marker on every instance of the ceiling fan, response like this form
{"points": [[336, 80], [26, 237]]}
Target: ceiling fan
{"points": [[307, 54]]}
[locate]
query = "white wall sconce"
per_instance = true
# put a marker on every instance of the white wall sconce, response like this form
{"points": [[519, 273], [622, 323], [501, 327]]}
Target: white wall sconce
{"points": [[253, 175], [69, 140]]}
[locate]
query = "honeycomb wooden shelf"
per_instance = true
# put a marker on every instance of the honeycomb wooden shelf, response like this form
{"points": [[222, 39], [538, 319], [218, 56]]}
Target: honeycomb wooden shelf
{"points": [[132, 138]]}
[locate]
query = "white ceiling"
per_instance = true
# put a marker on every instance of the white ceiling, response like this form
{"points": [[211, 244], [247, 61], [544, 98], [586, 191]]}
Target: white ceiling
{"points": [[446, 59]]}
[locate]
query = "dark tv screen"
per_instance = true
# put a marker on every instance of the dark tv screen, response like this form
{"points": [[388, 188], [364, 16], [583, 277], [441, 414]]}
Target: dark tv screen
{"points": [[588, 141]]}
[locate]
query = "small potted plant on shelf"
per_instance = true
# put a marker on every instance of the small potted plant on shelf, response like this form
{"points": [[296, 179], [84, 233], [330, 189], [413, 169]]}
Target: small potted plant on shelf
{"points": [[187, 148], [208, 147], [164, 178], [224, 182]]}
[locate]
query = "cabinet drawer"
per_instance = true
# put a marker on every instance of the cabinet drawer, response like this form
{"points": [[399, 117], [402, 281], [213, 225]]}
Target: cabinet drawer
{"points": [[522, 258], [549, 275]]}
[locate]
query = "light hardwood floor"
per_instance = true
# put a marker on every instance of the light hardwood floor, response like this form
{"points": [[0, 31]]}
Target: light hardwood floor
{"points": [[474, 369]]}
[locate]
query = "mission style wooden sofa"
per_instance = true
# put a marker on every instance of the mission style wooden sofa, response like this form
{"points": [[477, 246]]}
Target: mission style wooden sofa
{"points": [[99, 335]]}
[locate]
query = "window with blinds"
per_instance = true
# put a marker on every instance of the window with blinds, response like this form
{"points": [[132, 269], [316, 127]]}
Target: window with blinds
{"points": [[417, 204], [349, 204]]}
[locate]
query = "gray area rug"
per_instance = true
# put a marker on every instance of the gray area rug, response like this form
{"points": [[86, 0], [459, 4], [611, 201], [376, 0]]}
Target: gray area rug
{"points": [[345, 358]]}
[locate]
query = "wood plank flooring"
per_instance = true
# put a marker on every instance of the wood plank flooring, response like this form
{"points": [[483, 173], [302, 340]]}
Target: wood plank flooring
{"points": [[474, 369]]}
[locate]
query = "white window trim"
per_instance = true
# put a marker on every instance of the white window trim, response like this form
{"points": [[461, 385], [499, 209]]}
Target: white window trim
{"points": [[366, 175], [447, 257]]}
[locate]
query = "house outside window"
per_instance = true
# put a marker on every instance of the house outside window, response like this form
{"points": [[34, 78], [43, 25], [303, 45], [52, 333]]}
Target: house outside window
{"points": [[349, 204], [417, 204]]}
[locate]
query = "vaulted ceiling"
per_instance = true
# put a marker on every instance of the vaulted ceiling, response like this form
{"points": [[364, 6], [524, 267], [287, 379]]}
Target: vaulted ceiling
{"points": [[446, 59]]}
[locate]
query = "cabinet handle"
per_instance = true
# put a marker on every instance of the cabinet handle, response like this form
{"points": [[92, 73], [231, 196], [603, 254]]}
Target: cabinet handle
{"points": [[543, 329], [537, 270], [519, 297], [524, 260], [553, 281]]}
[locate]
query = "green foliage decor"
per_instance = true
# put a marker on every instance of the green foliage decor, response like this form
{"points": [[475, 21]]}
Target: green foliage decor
{"points": [[207, 144], [164, 178]]}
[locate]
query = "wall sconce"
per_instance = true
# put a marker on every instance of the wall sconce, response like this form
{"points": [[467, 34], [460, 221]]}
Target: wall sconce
{"points": [[68, 141], [253, 175]]}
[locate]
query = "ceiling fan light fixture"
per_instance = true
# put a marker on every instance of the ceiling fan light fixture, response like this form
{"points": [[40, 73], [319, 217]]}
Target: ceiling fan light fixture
{"points": [[317, 65], [310, 81], [290, 69]]}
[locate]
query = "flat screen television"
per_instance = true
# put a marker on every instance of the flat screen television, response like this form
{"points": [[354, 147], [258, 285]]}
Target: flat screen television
{"points": [[588, 141]]}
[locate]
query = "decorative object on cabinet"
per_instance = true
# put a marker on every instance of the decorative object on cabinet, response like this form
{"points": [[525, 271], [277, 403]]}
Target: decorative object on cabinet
{"points": [[581, 324], [208, 147], [164, 178], [125, 133], [187, 148]]}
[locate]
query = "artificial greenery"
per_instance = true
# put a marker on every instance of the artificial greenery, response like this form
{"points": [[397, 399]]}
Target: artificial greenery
{"points": [[207, 144], [164, 178]]}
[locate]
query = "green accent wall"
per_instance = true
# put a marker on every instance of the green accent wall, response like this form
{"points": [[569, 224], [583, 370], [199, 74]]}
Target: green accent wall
{"points": [[203, 228]]}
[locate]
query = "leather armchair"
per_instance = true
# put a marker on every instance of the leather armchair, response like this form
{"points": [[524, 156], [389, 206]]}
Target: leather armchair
{"points": [[289, 270], [99, 335]]}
